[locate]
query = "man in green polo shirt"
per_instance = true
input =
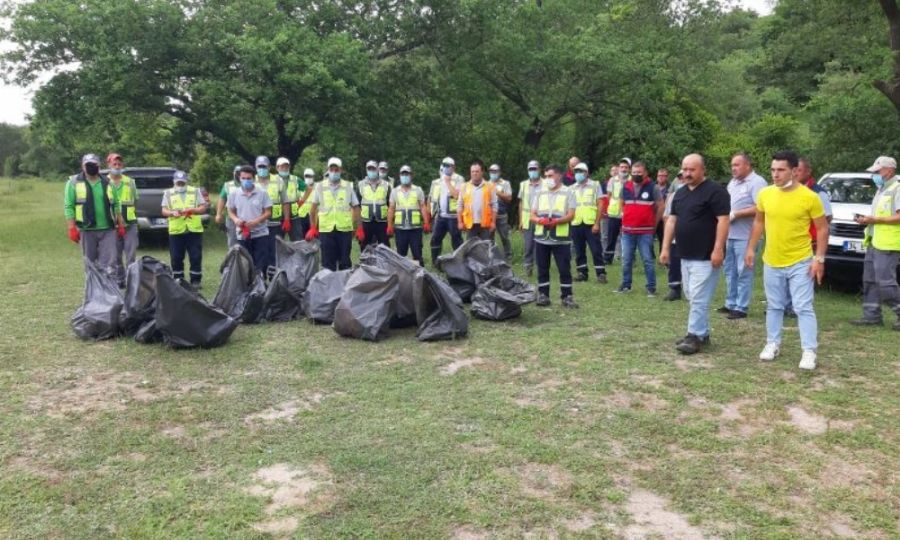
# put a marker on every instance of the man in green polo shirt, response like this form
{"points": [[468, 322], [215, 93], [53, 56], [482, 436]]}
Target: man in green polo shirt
{"points": [[91, 214]]}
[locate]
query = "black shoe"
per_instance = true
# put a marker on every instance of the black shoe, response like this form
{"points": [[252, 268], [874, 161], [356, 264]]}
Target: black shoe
{"points": [[602, 279], [623, 289], [543, 300], [724, 310], [692, 344], [704, 341], [651, 293], [867, 322], [581, 277], [569, 303], [736, 314], [790, 314], [674, 294], [196, 285]]}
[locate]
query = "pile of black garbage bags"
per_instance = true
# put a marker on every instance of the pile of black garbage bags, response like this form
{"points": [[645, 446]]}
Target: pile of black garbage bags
{"points": [[385, 291]]}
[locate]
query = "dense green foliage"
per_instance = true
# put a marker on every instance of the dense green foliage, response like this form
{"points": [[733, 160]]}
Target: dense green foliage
{"points": [[205, 84]]}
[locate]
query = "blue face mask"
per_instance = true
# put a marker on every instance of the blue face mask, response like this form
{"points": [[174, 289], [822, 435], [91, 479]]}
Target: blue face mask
{"points": [[580, 177], [879, 180], [534, 175], [335, 176], [247, 184], [115, 172], [405, 179], [284, 174], [447, 171], [262, 172], [495, 176], [372, 174]]}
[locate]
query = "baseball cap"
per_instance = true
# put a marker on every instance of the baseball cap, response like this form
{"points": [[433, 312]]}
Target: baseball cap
{"points": [[625, 160], [581, 167], [90, 158], [448, 161], [883, 161], [179, 176], [406, 168], [309, 173], [335, 161], [262, 161], [237, 168], [383, 165], [372, 164], [534, 164], [282, 161], [112, 157], [494, 167]]}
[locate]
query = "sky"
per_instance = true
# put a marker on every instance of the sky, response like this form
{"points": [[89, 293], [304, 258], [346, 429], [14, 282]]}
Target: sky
{"points": [[16, 101]]}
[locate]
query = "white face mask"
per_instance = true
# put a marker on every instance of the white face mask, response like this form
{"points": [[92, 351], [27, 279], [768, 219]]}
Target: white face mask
{"points": [[786, 186]]}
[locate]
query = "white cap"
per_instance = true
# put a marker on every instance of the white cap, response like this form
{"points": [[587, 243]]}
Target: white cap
{"points": [[382, 165], [406, 168], [372, 164], [335, 161], [282, 161], [494, 167], [881, 162], [626, 160], [581, 167], [534, 164], [448, 160], [309, 172]]}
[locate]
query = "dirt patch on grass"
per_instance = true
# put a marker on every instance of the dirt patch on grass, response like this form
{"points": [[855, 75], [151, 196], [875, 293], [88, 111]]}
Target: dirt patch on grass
{"points": [[528, 401], [807, 422], [467, 532], [518, 369], [622, 399], [652, 518], [290, 488], [839, 472], [580, 523], [456, 365], [34, 467], [542, 481], [286, 410]]}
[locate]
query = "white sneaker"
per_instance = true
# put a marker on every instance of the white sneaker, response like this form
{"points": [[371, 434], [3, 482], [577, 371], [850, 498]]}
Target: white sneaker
{"points": [[770, 352], [808, 360]]}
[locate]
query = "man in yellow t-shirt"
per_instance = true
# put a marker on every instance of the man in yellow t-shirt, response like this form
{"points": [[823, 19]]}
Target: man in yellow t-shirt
{"points": [[785, 211]]}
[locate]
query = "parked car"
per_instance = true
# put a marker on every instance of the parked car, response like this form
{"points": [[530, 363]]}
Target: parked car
{"points": [[851, 194], [151, 182]]}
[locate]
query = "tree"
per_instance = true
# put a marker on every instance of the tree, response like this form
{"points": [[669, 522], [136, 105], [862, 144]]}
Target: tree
{"points": [[891, 87]]}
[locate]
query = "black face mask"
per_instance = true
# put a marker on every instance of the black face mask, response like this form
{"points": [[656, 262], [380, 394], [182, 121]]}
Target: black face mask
{"points": [[91, 169]]}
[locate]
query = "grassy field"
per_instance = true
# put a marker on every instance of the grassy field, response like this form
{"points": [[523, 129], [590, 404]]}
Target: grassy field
{"points": [[561, 424]]}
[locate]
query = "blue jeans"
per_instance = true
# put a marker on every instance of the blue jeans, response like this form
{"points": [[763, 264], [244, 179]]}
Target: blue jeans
{"points": [[738, 278], [644, 244], [786, 284], [699, 280]]}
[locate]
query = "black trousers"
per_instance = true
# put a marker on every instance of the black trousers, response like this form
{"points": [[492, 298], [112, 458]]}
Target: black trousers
{"points": [[477, 231], [410, 240], [583, 237], [259, 249], [335, 247], [660, 231], [674, 267], [442, 226], [376, 233], [562, 254], [299, 226], [274, 232], [192, 244], [613, 229]]}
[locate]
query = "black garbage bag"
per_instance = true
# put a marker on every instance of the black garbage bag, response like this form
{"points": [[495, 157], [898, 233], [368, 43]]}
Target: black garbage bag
{"points": [[323, 294], [148, 333], [186, 320], [439, 310], [299, 260], [367, 305], [98, 316], [242, 288], [493, 304], [471, 264], [140, 293], [523, 291], [281, 303], [387, 259]]}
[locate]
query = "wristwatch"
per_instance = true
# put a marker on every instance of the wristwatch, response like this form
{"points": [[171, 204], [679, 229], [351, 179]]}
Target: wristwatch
{"points": [[819, 259]]}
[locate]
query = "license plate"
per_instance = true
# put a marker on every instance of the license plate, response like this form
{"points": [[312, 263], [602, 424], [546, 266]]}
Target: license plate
{"points": [[159, 222], [854, 246]]}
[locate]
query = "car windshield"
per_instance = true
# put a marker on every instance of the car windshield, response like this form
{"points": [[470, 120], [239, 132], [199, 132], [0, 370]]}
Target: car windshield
{"points": [[856, 190], [151, 180]]}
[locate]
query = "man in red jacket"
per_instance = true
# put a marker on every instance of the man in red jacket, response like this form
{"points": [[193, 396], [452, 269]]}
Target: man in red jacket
{"points": [[642, 210]]}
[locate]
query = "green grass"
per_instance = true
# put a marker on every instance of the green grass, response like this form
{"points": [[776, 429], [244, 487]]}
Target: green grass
{"points": [[561, 419]]}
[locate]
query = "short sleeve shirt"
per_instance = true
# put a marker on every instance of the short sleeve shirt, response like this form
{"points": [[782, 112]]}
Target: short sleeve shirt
{"points": [[697, 213], [744, 194], [569, 195], [419, 194], [789, 215], [249, 206]]}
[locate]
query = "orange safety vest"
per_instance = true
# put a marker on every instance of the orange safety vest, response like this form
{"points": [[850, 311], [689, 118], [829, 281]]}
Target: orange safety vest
{"points": [[487, 213]]}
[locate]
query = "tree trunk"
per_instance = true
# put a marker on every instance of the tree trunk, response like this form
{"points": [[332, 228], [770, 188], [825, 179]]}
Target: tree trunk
{"points": [[287, 146], [534, 134], [891, 88]]}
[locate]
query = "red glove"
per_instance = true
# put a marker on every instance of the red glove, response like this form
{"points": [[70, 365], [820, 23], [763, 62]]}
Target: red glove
{"points": [[120, 230], [551, 222], [186, 213], [312, 234], [286, 225], [74, 234], [360, 234], [390, 230], [245, 232], [544, 221], [427, 227]]}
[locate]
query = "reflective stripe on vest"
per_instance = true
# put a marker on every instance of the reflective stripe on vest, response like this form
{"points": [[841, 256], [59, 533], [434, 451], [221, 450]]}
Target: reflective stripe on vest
{"points": [[407, 210], [335, 212], [274, 190], [82, 192], [886, 236], [487, 212], [586, 200], [556, 210], [615, 199], [181, 225], [638, 208], [373, 202], [126, 198], [436, 197], [525, 201]]}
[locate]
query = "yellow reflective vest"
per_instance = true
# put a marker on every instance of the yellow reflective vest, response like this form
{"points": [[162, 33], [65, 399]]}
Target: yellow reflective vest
{"points": [[335, 210], [586, 200], [178, 201], [127, 198], [373, 203], [886, 236], [552, 204]]}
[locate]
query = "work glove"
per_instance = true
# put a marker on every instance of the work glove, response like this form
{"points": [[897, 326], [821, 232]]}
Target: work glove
{"points": [[286, 225], [390, 230], [427, 227], [551, 222], [312, 234], [245, 232], [544, 221], [74, 234], [186, 213], [120, 230], [360, 234]]}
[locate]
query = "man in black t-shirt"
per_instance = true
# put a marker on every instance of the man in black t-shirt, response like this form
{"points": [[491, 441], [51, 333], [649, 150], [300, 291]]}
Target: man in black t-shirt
{"points": [[699, 225]]}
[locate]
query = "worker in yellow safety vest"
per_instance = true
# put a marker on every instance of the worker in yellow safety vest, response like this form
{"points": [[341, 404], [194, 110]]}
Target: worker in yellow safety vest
{"points": [[298, 191], [590, 197], [333, 217], [614, 209], [183, 205], [528, 190], [443, 198], [91, 214], [123, 190], [552, 212], [374, 194], [408, 216]]}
